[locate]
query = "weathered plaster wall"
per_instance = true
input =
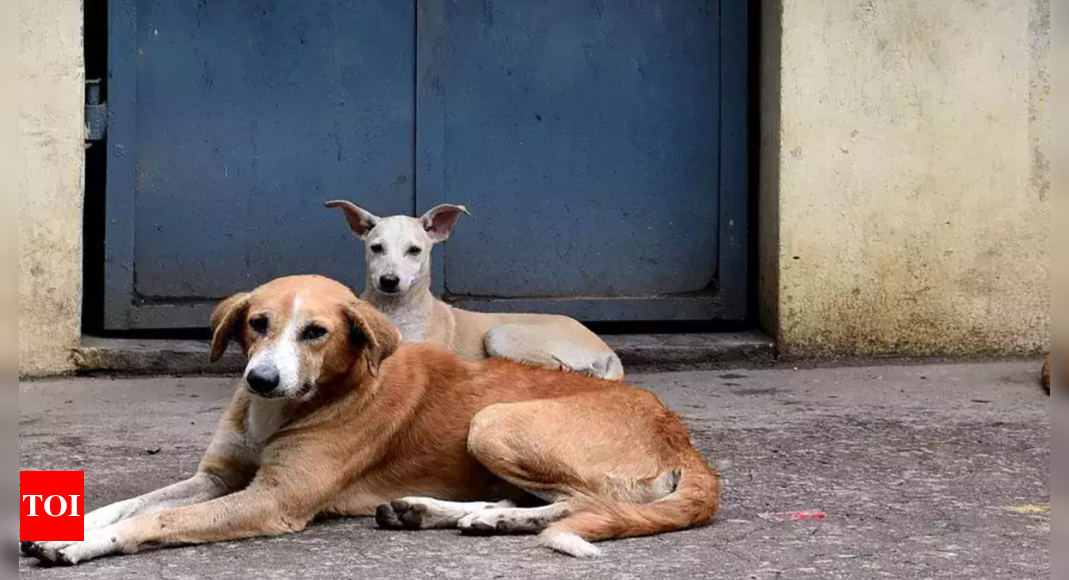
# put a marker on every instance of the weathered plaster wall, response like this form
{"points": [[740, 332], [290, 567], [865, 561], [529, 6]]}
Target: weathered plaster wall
{"points": [[906, 178], [1059, 242], [51, 159], [768, 202]]}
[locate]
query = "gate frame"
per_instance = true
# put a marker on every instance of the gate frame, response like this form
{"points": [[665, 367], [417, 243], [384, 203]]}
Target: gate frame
{"points": [[731, 301]]}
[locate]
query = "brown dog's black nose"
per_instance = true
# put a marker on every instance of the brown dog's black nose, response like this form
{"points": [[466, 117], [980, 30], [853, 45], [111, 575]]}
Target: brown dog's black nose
{"points": [[389, 283], [262, 380]]}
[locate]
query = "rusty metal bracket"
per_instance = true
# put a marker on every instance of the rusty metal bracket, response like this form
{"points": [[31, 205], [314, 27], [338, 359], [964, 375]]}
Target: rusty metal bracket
{"points": [[96, 112]]}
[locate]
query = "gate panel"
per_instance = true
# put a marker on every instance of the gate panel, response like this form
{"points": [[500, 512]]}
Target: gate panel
{"points": [[602, 148], [230, 124], [587, 139]]}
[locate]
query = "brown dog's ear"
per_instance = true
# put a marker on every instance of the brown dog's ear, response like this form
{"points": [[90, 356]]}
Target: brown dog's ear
{"points": [[360, 220], [373, 333], [228, 321], [440, 220]]}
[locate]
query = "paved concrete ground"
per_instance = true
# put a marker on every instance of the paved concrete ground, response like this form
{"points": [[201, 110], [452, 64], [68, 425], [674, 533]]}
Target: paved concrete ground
{"points": [[923, 472]]}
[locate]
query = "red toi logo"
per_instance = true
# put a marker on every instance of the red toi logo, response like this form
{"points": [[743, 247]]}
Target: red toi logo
{"points": [[52, 506]]}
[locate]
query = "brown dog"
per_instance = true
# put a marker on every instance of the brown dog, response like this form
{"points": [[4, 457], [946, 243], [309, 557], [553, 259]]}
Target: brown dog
{"points": [[335, 416]]}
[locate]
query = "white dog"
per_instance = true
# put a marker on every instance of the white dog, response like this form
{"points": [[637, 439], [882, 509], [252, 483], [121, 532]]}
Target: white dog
{"points": [[398, 252]]}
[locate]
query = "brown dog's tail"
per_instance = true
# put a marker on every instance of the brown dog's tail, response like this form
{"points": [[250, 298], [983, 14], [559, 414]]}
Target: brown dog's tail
{"points": [[695, 501]]}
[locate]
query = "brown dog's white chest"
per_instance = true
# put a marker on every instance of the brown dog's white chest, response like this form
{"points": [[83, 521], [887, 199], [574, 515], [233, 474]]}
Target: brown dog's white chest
{"points": [[263, 419]]}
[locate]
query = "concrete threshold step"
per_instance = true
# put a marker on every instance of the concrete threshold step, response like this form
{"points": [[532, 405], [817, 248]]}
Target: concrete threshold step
{"points": [[639, 352]]}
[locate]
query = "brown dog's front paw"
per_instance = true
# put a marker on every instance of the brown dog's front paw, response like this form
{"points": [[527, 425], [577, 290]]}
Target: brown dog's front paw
{"points": [[33, 550], [62, 559], [47, 557]]}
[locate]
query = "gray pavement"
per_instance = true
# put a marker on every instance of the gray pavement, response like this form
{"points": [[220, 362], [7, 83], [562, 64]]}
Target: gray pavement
{"points": [[922, 472]]}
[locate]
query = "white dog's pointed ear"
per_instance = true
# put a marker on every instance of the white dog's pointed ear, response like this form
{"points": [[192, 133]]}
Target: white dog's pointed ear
{"points": [[360, 220], [439, 221]]}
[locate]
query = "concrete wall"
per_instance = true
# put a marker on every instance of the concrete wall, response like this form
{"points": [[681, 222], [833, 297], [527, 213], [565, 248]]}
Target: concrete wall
{"points": [[905, 180], [52, 151], [1060, 171]]}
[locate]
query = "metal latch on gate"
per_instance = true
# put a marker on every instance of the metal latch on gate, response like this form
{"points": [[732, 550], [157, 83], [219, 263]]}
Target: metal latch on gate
{"points": [[96, 113]]}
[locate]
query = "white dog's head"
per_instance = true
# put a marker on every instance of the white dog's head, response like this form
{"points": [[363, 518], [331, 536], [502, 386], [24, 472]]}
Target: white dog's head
{"points": [[398, 248]]}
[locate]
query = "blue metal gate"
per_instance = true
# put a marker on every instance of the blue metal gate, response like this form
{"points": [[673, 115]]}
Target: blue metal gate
{"points": [[601, 147]]}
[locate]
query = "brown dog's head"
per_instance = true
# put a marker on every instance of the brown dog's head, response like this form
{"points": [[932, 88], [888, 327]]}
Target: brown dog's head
{"points": [[301, 332]]}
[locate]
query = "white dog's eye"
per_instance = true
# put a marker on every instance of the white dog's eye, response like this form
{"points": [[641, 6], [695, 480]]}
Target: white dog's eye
{"points": [[414, 251], [377, 248]]}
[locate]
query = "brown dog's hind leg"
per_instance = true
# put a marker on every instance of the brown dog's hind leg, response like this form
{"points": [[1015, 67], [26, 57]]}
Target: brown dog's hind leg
{"points": [[511, 520], [611, 446]]}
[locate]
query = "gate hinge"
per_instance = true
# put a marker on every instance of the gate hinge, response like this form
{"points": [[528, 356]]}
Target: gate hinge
{"points": [[96, 112]]}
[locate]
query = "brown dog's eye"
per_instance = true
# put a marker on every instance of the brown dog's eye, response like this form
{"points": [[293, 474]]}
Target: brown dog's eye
{"points": [[260, 324], [376, 248], [313, 332], [414, 251]]}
